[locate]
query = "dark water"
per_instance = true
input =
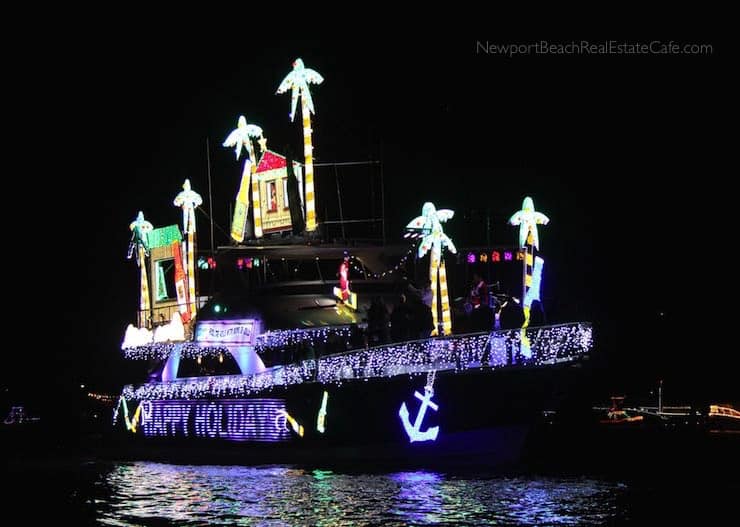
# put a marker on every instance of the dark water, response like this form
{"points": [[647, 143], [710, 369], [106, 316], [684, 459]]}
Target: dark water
{"points": [[145, 493]]}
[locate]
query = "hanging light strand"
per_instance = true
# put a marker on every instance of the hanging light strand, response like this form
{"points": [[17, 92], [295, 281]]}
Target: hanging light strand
{"points": [[549, 345]]}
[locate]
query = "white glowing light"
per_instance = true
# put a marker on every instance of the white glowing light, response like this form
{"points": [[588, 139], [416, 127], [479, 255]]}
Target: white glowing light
{"points": [[188, 199], [528, 219], [298, 81], [174, 331], [240, 137]]}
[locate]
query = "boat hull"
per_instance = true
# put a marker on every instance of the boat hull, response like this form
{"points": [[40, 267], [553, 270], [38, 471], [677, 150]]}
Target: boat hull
{"points": [[477, 417]]}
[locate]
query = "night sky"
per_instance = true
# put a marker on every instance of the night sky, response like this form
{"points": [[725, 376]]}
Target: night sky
{"points": [[621, 152]]}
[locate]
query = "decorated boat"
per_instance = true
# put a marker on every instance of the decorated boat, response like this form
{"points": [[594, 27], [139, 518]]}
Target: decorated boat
{"points": [[296, 354]]}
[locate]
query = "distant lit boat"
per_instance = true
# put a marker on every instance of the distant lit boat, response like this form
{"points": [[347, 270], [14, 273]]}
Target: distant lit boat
{"points": [[617, 415], [18, 416], [723, 418]]}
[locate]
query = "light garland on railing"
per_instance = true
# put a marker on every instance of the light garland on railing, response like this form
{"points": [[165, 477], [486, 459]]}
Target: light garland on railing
{"points": [[289, 337], [162, 350], [549, 344], [272, 339]]}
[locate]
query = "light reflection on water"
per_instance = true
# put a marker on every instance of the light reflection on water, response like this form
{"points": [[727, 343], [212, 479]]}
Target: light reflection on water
{"points": [[159, 494]]}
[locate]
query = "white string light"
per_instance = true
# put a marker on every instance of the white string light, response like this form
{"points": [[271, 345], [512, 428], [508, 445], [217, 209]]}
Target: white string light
{"points": [[549, 344]]}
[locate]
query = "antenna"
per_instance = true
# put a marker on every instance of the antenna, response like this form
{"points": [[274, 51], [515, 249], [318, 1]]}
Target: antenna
{"points": [[339, 199], [382, 193], [210, 194]]}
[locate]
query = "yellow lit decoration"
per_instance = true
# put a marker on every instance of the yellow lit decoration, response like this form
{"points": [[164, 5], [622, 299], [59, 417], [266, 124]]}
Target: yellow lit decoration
{"points": [[295, 425], [140, 228], [298, 81], [188, 199], [320, 421], [140, 414], [434, 239], [716, 410], [242, 137]]}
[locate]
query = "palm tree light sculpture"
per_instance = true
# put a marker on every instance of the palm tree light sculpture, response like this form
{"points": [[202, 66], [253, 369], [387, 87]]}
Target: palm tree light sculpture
{"points": [[429, 224], [528, 219], [298, 81], [242, 137], [188, 199], [140, 228]]}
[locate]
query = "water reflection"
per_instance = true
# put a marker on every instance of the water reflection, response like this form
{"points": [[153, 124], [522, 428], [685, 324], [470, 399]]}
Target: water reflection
{"points": [[151, 493]]}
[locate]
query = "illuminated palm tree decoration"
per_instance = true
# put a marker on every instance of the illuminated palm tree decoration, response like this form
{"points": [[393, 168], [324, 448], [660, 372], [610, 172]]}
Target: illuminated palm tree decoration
{"points": [[242, 137], [298, 81], [188, 199], [140, 228], [429, 224], [528, 219]]}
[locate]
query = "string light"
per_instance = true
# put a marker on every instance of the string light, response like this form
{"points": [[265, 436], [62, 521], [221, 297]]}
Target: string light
{"points": [[235, 420], [313, 336], [162, 350], [548, 344], [387, 272]]}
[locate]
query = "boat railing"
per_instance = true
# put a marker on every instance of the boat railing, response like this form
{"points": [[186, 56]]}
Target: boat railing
{"points": [[497, 349], [160, 313]]}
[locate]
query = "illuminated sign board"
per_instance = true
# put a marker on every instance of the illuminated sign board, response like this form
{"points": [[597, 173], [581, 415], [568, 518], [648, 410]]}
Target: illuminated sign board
{"points": [[231, 419], [242, 332]]}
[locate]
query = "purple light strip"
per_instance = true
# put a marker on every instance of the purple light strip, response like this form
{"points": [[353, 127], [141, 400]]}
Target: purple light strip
{"points": [[231, 419]]}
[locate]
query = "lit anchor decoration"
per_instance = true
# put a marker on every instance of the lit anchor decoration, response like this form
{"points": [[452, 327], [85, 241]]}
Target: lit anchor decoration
{"points": [[414, 432]]}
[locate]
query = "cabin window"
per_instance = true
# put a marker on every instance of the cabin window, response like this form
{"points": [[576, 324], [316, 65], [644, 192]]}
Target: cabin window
{"points": [[164, 288]]}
